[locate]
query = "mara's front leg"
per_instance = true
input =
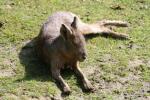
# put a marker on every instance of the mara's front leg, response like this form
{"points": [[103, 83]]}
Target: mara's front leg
{"points": [[86, 83], [55, 70]]}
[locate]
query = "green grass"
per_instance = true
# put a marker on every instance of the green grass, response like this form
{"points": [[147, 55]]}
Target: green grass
{"points": [[121, 68]]}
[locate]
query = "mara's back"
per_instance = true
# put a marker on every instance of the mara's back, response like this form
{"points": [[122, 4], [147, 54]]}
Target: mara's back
{"points": [[51, 28]]}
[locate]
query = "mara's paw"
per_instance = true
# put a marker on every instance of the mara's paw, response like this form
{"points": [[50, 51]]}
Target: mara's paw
{"points": [[66, 90], [88, 87]]}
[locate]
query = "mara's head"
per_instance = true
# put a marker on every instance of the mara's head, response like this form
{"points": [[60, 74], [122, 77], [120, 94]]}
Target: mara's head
{"points": [[75, 41]]}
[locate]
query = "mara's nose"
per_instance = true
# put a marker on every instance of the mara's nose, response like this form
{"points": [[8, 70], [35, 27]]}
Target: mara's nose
{"points": [[84, 55]]}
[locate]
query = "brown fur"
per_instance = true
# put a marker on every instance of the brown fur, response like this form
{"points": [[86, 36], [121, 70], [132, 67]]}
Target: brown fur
{"points": [[61, 43]]}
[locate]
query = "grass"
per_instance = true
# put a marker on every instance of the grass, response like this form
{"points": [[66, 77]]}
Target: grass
{"points": [[119, 69]]}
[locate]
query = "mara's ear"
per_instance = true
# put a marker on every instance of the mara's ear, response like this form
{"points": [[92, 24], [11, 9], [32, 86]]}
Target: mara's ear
{"points": [[65, 31], [75, 23]]}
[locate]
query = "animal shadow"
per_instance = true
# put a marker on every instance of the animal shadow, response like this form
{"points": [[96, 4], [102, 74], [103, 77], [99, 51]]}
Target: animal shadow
{"points": [[34, 67]]}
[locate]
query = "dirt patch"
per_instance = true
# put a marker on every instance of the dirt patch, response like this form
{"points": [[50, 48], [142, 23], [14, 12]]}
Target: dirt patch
{"points": [[9, 96], [6, 73], [107, 58], [133, 45], [136, 66], [7, 68], [148, 63], [146, 87], [119, 87], [135, 63], [130, 77], [130, 45], [89, 70], [8, 63]]}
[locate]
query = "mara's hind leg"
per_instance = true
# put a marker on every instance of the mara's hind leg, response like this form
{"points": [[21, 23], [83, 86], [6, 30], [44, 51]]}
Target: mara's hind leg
{"points": [[101, 28], [113, 23], [104, 23], [115, 34]]}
